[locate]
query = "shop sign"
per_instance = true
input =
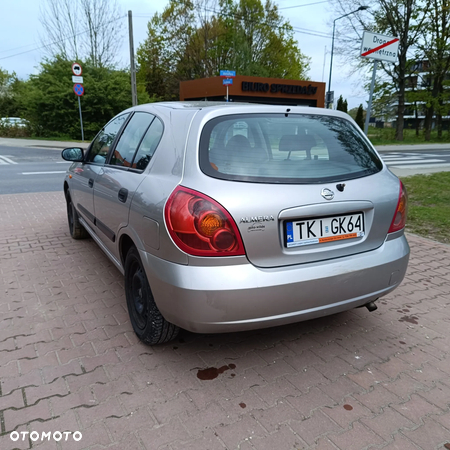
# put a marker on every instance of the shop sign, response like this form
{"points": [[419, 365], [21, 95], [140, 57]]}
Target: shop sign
{"points": [[275, 88]]}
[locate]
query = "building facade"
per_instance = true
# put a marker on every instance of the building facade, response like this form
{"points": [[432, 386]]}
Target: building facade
{"points": [[419, 81], [255, 90]]}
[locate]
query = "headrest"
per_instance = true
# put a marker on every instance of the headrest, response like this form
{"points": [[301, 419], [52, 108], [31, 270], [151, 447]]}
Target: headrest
{"points": [[296, 142], [238, 141]]}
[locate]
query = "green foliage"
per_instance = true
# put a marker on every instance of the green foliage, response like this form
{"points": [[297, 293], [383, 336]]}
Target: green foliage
{"points": [[359, 119], [386, 136], [384, 101], [10, 87], [435, 49], [14, 131], [342, 104], [52, 106], [246, 36], [429, 205]]}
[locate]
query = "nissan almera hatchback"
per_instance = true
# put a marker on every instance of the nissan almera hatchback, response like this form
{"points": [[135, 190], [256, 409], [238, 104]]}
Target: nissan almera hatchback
{"points": [[227, 217]]}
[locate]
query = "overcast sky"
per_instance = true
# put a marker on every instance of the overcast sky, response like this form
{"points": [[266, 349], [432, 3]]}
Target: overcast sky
{"points": [[20, 32]]}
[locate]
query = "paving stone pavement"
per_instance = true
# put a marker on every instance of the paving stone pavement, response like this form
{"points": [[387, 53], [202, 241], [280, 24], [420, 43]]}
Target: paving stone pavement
{"points": [[69, 360]]}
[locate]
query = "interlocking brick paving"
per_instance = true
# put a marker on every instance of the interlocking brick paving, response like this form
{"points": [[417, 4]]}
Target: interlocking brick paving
{"points": [[69, 360]]}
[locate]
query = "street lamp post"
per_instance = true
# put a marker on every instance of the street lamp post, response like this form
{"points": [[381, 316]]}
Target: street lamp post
{"points": [[328, 99]]}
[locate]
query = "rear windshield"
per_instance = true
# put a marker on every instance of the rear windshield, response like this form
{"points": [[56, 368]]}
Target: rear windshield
{"points": [[285, 148]]}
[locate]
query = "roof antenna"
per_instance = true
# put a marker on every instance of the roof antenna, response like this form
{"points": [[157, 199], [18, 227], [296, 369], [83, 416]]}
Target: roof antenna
{"points": [[286, 113]]}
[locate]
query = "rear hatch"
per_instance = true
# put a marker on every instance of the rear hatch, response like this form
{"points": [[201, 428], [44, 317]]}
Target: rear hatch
{"points": [[301, 188]]}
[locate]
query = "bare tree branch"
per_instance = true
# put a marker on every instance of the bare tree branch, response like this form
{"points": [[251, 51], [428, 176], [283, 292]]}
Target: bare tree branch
{"points": [[86, 29]]}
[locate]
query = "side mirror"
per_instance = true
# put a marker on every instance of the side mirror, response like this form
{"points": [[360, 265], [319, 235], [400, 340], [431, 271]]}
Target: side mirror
{"points": [[74, 154]]}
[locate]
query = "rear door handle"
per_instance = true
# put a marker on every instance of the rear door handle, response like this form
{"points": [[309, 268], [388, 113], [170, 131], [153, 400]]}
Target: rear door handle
{"points": [[91, 182], [123, 194]]}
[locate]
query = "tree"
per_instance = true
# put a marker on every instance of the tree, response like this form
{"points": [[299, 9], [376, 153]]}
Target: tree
{"points": [[12, 102], [399, 18], [248, 37], [52, 106], [8, 99], [359, 119], [342, 104], [89, 30], [384, 101], [164, 54], [435, 49]]}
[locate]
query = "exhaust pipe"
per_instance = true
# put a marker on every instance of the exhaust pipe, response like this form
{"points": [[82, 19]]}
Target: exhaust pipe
{"points": [[371, 306]]}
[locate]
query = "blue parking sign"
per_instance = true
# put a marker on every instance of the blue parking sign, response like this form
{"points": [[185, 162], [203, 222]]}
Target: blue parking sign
{"points": [[78, 89]]}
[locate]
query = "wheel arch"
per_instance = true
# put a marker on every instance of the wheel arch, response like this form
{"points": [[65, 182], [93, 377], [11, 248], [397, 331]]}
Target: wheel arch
{"points": [[124, 246]]}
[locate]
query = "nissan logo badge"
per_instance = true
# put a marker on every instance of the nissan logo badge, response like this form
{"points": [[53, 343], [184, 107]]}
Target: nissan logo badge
{"points": [[327, 194]]}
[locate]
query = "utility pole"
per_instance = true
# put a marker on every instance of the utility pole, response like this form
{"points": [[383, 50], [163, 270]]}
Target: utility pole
{"points": [[330, 95], [132, 66]]}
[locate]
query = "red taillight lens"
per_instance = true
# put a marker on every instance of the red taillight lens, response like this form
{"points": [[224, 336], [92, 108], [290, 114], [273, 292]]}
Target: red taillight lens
{"points": [[200, 226], [399, 220]]}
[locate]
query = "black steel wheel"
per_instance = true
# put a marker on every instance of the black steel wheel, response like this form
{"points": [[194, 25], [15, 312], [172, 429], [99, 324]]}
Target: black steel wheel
{"points": [[77, 231], [147, 321]]}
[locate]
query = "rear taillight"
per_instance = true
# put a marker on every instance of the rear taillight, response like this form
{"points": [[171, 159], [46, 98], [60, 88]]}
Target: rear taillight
{"points": [[200, 226], [399, 220]]}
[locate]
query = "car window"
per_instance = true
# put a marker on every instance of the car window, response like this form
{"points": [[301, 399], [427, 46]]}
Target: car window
{"points": [[148, 145], [130, 139], [100, 146], [295, 148]]}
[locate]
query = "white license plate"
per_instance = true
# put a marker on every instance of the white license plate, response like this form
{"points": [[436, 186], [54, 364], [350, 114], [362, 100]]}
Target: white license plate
{"points": [[325, 229]]}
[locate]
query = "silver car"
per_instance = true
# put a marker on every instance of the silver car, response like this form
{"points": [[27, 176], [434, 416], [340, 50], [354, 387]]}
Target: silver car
{"points": [[226, 217]]}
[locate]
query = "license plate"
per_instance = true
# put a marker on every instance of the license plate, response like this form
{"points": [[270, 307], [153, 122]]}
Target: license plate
{"points": [[325, 229]]}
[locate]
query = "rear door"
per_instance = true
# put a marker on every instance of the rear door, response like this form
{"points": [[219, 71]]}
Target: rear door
{"points": [[118, 180]]}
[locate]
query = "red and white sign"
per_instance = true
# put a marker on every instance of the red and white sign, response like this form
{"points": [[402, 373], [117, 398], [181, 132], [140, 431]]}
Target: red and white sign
{"points": [[76, 69], [380, 47]]}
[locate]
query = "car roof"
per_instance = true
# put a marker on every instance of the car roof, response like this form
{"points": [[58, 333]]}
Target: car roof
{"points": [[238, 107]]}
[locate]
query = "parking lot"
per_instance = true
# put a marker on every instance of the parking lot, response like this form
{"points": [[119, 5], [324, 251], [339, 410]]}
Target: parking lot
{"points": [[70, 361]]}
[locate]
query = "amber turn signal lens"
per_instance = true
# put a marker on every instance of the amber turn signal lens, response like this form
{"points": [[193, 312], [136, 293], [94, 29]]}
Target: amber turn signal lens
{"points": [[209, 223]]}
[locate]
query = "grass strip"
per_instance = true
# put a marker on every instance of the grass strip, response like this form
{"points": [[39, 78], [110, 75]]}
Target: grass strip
{"points": [[429, 205]]}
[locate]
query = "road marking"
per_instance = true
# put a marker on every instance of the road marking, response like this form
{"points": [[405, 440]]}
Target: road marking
{"points": [[415, 155], [5, 160], [415, 161], [421, 166], [439, 155], [406, 158], [43, 173], [388, 158]]}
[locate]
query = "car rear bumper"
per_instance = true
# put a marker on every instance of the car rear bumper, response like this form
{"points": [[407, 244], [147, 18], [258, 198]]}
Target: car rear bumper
{"points": [[243, 297]]}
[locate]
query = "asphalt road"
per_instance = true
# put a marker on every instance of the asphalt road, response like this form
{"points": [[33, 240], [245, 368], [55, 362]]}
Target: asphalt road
{"points": [[35, 169], [405, 163], [25, 169]]}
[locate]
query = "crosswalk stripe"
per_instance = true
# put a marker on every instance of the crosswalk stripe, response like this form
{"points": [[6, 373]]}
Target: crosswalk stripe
{"points": [[389, 157], [43, 173], [5, 160], [415, 161], [421, 166]]}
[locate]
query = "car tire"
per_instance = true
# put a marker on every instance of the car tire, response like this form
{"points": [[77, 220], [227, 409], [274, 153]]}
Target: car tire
{"points": [[148, 323], [77, 231]]}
